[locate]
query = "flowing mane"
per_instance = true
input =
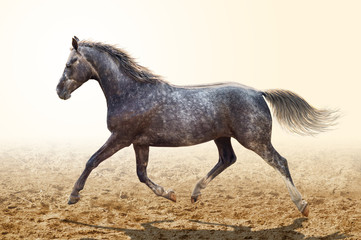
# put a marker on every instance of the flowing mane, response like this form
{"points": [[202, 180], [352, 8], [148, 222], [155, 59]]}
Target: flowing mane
{"points": [[127, 63]]}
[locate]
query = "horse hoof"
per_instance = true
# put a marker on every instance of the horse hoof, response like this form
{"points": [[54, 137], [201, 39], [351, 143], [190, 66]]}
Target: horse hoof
{"points": [[171, 196], [306, 211], [73, 199], [195, 198]]}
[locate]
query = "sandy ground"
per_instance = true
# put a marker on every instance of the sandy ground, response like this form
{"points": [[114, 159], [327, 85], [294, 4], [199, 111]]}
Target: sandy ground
{"points": [[247, 201]]}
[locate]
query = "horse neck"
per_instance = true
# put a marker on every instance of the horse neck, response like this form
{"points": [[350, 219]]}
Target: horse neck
{"points": [[116, 85]]}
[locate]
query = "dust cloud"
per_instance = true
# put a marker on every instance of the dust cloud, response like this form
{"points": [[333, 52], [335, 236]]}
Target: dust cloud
{"points": [[247, 201]]}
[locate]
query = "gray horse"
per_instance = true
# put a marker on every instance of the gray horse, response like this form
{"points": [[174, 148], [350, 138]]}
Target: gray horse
{"points": [[145, 111]]}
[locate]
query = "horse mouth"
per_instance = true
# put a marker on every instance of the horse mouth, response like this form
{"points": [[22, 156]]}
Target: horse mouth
{"points": [[63, 95]]}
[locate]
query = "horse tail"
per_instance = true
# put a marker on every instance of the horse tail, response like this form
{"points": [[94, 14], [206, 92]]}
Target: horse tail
{"points": [[296, 115]]}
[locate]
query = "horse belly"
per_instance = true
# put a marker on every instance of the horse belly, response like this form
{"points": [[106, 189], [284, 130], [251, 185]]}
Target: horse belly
{"points": [[184, 131], [189, 118]]}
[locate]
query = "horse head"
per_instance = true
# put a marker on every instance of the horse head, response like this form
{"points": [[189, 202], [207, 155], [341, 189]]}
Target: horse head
{"points": [[77, 71]]}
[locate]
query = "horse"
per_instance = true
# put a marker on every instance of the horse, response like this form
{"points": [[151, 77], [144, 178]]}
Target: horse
{"points": [[146, 111]]}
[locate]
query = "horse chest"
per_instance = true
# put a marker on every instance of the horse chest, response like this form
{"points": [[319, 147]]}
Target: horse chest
{"points": [[126, 122]]}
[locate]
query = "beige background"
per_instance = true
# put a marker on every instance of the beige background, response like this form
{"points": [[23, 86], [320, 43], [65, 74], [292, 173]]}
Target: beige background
{"points": [[310, 47]]}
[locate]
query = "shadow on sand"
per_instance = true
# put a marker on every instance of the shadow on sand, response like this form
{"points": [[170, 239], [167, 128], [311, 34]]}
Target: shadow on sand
{"points": [[238, 232]]}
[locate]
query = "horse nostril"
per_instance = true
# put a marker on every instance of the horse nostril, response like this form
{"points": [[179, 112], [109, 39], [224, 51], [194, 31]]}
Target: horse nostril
{"points": [[58, 89]]}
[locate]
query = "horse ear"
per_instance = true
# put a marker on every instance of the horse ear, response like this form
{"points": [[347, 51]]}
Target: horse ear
{"points": [[75, 43]]}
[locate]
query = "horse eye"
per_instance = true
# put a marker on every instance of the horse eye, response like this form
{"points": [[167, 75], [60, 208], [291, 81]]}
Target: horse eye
{"points": [[68, 65]]}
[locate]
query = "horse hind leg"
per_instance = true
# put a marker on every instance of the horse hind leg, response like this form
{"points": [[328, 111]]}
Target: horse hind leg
{"points": [[226, 158], [273, 158]]}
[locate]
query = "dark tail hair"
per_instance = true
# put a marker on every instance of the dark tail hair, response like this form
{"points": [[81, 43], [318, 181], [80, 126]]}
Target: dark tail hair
{"points": [[297, 116]]}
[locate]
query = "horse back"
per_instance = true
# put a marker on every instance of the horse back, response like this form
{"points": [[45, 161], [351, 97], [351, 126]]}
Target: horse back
{"points": [[196, 114]]}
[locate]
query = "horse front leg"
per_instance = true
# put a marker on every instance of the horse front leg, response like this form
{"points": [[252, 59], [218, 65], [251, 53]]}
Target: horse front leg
{"points": [[142, 156], [111, 146]]}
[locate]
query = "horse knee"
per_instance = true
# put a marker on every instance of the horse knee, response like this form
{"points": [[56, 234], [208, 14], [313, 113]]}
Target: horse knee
{"points": [[141, 176], [90, 165], [229, 160], [233, 159]]}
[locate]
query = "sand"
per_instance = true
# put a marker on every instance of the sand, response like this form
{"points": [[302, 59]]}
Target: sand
{"points": [[247, 201]]}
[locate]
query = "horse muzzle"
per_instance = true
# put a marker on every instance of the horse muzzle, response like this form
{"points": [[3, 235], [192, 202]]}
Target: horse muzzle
{"points": [[64, 88], [63, 95]]}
